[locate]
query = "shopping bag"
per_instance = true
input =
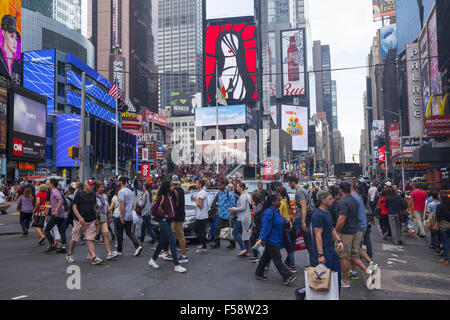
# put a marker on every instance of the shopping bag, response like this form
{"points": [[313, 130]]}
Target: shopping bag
{"points": [[319, 278], [227, 233], [258, 247], [300, 242], [332, 294], [373, 281]]}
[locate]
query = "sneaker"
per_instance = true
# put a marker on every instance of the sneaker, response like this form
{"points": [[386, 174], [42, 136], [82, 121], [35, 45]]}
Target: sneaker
{"points": [[444, 261], [153, 264], [112, 255], [292, 269], [183, 259], [88, 257], [168, 257], [290, 280], [138, 251], [61, 250], [264, 278], [70, 259], [119, 253], [202, 250], [97, 260], [200, 247], [353, 275], [50, 249], [345, 284], [162, 255], [253, 260], [180, 269], [179, 249]]}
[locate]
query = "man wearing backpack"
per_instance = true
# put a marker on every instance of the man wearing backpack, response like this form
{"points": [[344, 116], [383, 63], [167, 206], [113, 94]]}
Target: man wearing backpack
{"points": [[302, 221], [225, 201]]}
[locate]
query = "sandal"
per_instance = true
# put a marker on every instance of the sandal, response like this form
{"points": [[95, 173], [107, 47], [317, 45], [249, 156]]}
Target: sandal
{"points": [[42, 240], [242, 253]]}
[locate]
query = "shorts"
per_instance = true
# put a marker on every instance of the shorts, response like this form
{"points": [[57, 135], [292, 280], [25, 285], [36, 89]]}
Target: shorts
{"points": [[88, 230], [351, 244], [178, 230], [102, 227]]}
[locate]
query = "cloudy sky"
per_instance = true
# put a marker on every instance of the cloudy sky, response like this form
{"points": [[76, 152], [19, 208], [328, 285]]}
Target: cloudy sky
{"points": [[348, 28]]}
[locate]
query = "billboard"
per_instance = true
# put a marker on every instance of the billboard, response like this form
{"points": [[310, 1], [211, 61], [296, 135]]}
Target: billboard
{"points": [[414, 89], [294, 120], [377, 136], [3, 118], [293, 49], [67, 132], [272, 64], [382, 154], [273, 113], [229, 9], [228, 115], [117, 67], [27, 137], [230, 54], [383, 8], [10, 41], [388, 38], [39, 75], [394, 136], [184, 104]]}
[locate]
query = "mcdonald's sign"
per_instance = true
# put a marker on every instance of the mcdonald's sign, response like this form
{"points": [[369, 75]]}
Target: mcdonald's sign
{"points": [[437, 121]]}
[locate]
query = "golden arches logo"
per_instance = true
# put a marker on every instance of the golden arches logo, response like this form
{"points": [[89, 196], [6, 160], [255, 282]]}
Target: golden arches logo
{"points": [[441, 105]]}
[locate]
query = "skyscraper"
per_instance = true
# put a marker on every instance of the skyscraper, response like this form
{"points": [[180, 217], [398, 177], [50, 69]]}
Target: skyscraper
{"points": [[68, 12], [334, 104], [124, 34], [180, 51]]}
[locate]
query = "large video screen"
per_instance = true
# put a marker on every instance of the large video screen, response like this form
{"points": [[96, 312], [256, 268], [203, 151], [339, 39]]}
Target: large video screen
{"points": [[39, 75], [228, 115], [229, 9], [294, 120], [67, 132], [232, 48], [293, 48], [10, 39], [3, 118], [383, 8]]}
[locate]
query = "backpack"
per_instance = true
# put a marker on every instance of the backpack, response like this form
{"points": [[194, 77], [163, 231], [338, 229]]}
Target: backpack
{"points": [[310, 205], [66, 202]]}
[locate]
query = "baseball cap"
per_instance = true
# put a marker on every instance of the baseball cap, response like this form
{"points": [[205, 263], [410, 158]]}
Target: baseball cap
{"points": [[175, 179], [322, 194], [90, 182], [388, 184]]}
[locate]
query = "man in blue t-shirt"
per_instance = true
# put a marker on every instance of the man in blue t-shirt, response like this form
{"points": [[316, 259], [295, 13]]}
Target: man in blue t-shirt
{"points": [[324, 234]]}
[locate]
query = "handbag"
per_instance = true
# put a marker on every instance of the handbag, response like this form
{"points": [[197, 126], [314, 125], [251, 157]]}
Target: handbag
{"points": [[160, 210], [38, 221], [319, 278], [227, 233], [300, 242]]}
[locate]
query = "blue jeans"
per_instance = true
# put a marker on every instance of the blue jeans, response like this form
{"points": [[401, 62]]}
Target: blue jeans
{"points": [[166, 237], [147, 225], [237, 232], [310, 242], [435, 239], [368, 242], [444, 235]]}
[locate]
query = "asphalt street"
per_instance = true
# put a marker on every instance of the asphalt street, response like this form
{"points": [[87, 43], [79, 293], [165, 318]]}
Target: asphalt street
{"points": [[408, 272]]}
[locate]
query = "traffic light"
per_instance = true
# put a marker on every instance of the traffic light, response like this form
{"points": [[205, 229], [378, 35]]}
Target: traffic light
{"points": [[353, 158], [74, 152]]}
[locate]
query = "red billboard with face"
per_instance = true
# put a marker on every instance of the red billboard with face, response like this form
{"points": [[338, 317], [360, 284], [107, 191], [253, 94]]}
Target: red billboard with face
{"points": [[233, 47]]}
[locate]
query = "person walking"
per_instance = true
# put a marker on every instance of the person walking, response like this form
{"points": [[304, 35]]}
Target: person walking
{"points": [[244, 219], [442, 223], [257, 203], [284, 211], [395, 205], [419, 198], [163, 211], [70, 215], [40, 213], [56, 218], [225, 201], [146, 202], [84, 222], [431, 210], [201, 213], [271, 236], [103, 218], [25, 205], [125, 200]]}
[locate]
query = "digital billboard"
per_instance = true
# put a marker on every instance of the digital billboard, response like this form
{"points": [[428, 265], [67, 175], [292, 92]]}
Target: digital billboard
{"points": [[294, 120], [228, 115], [184, 104], [39, 75], [67, 132], [383, 8], [27, 137], [230, 54], [3, 118], [293, 49], [388, 38], [10, 41], [229, 9]]}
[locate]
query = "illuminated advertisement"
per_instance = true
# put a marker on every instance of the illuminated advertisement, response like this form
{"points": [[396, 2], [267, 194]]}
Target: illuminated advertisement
{"points": [[294, 120], [293, 46], [383, 8], [3, 118], [377, 136], [71, 59], [27, 138], [228, 115], [394, 136], [231, 50], [10, 40], [74, 99], [39, 75], [229, 9], [184, 104], [388, 39], [67, 132]]}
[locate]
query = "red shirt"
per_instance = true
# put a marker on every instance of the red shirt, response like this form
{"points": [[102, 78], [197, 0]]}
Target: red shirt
{"points": [[419, 197], [381, 202], [43, 197]]}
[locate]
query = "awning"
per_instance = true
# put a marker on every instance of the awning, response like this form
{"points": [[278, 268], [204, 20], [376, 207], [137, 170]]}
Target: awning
{"points": [[431, 155]]}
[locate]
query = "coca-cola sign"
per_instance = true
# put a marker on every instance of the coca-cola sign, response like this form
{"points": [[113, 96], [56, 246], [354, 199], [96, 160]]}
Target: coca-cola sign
{"points": [[294, 62]]}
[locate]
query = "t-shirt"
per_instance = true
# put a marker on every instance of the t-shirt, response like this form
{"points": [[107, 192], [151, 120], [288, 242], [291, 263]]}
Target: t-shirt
{"points": [[86, 205], [349, 207], [102, 207], [322, 219], [2, 195], [55, 199], [432, 206], [372, 193], [180, 213], [362, 219], [419, 197], [126, 196], [300, 194], [442, 213], [27, 204], [203, 212]]}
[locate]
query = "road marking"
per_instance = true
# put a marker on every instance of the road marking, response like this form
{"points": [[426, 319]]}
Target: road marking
{"points": [[2, 224], [394, 255], [19, 297], [389, 262], [393, 259], [391, 247]]}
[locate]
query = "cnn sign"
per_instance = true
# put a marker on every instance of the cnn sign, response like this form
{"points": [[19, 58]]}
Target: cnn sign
{"points": [[17, 147]]}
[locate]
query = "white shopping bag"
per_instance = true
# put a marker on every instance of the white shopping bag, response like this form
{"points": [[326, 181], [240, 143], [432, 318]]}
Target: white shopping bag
{"points": [[333, 294], [258, 247], [374, 280]]}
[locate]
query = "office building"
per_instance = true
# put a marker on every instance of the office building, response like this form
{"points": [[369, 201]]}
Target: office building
{"points": [[334, 110]]}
